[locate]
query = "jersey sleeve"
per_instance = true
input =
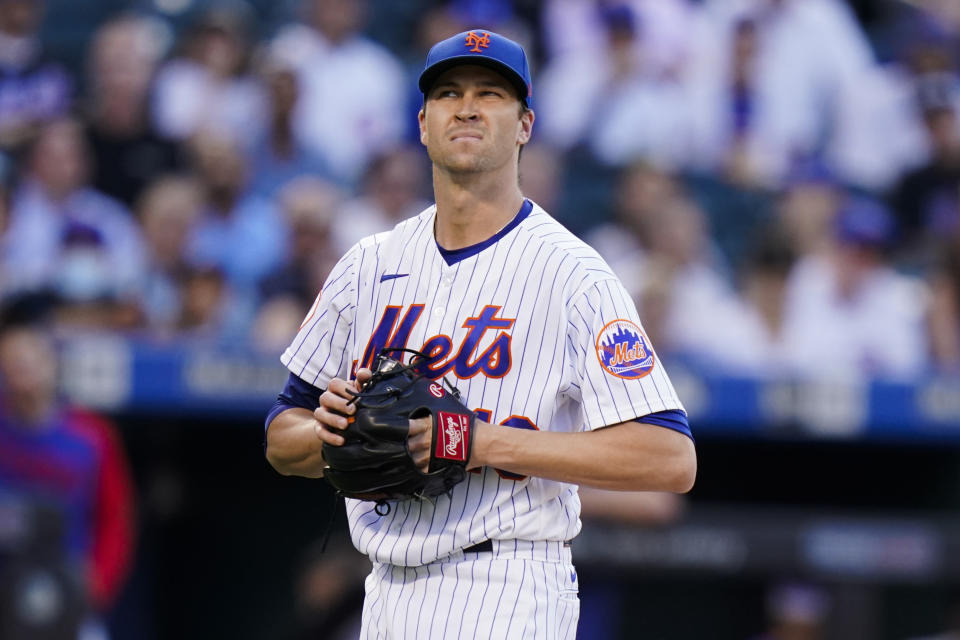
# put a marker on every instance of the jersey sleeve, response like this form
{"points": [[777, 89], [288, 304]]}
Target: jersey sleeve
{"points": [[614, 368], [319, 352]]}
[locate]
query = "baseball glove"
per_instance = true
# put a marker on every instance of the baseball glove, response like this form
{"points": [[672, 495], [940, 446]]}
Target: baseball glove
{"points": [[375, 463]]}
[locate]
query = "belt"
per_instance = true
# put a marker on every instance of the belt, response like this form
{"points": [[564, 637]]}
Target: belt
{"points": [[481, 547], [486, 546]]}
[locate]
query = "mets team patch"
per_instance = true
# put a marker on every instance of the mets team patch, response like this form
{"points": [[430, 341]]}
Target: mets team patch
{"points": [[624, 351]]}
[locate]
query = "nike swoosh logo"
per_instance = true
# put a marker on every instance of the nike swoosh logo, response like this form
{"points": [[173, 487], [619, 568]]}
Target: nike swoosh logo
{"points": [[392, 276]]}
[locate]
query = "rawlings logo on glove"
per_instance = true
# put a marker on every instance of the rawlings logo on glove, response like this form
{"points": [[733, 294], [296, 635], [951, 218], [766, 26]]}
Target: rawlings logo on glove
{"points": [[456, 430]]}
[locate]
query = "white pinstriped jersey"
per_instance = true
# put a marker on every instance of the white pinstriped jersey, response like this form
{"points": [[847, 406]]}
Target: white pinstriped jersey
{"points": [[535, 331]]}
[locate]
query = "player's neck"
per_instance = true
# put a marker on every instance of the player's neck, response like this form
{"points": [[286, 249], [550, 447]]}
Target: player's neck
{"points": [[469, 212]]}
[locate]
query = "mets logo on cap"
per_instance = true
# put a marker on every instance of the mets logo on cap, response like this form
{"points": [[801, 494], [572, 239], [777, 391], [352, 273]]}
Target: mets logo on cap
{"points": [[624, 351], [476, 42]]}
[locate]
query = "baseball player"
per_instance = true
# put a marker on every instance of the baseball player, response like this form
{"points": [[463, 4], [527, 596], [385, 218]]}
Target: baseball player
{"points": [[539, 336]]}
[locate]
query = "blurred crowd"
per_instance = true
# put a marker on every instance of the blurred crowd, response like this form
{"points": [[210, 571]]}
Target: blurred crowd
{"points": [[776, 181]]}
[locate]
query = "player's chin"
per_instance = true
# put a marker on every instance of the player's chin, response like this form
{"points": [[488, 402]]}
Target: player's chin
{"points": [[464, 163]]}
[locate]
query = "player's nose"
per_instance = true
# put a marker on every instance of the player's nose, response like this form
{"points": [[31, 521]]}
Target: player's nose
{"points": [[467, 109], [466, 115]]}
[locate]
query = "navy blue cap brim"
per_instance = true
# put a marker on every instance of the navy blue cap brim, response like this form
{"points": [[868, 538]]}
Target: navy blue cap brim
{"points": [[430, 74]]}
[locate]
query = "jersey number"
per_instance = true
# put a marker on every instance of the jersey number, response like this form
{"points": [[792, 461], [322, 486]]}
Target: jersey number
{"points": [[517, 422]]}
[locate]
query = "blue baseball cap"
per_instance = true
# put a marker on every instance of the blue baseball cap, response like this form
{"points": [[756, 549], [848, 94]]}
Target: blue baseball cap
{"points": [[865, 222], [485, 48]]}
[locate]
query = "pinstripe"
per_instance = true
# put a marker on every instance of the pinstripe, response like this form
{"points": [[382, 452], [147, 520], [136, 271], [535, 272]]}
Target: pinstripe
{"points": [[425, 248], [513, 612], [323, 365], [294, 351], [369, 518], [543, 334], [440, 591], [418, 236], [398, 580], [497, 409], [548, 622], [423, 598], [463, 509], [460, 313], [340, 365], [316, 349], [466, 599], [561, 628], [443, 534], [494, 479], [622, 311], [453, 596], [577, 290], [376, 268], [388, 583], [558, 628], [383, 595], [500, 513], [420, 240], [309, 332], [590, 380], [455, 524], [526, 343], [606, 379], [426, 536], [372, 606], [485, 480], [494, 295], [508, 578], [376, 265], [416, 585], [537, 599], [400, 617], [375, 293], [572, 506], [406, 562], [306, 361], [407, 507], [481, 287], [366, 613], [570, 633], [433, 300]]}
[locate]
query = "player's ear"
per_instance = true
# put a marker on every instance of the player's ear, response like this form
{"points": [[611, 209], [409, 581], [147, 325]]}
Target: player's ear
{"points": [[526, 126], [421, 120]]}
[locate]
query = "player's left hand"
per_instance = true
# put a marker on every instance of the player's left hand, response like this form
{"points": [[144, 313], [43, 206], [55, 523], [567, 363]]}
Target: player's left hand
{"points": [[420, 441]]}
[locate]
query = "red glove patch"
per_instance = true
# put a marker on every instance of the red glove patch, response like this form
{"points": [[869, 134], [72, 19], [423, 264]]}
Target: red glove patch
{"points": [[453, 436]]}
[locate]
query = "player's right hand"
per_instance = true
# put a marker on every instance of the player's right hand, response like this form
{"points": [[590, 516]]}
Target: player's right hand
{"points": [[335, 411]]}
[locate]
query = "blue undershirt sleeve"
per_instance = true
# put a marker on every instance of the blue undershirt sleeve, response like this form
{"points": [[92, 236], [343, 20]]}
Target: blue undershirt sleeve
{"points": [[296, 393], [672, 419]]}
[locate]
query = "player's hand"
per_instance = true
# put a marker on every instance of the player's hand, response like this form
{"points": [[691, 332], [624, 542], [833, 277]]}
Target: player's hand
{"points": [[334, 411], [420, 441]]}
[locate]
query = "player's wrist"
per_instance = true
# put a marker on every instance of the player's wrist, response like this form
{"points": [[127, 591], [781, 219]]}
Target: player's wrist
{"points": [[481, 435]]}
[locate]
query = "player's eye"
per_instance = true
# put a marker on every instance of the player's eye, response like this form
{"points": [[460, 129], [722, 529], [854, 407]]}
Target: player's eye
{"points": [[496, 93]]}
